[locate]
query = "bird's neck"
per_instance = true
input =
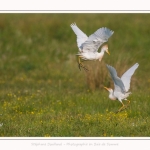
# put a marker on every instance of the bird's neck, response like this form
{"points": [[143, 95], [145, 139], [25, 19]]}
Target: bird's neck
{"points": [[100, 55], [102, 50], [111, 95]]}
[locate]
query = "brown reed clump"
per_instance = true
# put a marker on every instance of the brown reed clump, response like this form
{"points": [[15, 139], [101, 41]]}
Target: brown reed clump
{"points": [[97, 76]]}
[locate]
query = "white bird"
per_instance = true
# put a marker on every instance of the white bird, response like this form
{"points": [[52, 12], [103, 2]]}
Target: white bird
{"points": [[121, 85], [88, 46]]}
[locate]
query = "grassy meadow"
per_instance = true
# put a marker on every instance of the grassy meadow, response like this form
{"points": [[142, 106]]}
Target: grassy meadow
{"points": [[44, 94]]}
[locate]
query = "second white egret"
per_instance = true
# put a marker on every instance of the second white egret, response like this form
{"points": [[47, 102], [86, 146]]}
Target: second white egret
{"points": [[121, 85]]}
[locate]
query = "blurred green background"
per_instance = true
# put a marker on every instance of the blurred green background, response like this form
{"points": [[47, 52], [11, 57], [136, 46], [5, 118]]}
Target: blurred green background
{"points": [[42, 90]]}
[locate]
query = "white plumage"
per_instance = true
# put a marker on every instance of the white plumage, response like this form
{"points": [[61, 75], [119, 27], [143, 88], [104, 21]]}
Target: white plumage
{"points": [[121, 85], [88, 46]]}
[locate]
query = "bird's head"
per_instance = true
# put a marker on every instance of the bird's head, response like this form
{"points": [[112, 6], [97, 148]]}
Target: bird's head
{"points": [[105, 49], [109, 89], [111, 94]]}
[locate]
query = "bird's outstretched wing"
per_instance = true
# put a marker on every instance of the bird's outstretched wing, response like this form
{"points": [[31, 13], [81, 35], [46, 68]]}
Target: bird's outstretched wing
{"points": [[96, 39], [126, 77], [117, 81], [81, 37]]}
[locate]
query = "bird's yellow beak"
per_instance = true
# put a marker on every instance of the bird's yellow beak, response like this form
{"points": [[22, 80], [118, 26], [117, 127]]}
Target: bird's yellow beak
{"points": [[107, 52], [106, 88]]}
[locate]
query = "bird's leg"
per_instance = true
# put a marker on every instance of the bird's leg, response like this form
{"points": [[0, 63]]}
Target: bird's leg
{"points": [[81, 65], [79, 62], [121, 108], [128, 102]]}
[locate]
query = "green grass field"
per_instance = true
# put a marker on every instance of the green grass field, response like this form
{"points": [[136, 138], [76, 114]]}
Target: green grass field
{"points": [[44, 94]]}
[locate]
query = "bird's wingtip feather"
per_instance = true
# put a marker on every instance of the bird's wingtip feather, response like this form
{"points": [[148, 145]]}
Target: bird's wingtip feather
{"points": [[73, 24], [136, 64], [108, 66]]}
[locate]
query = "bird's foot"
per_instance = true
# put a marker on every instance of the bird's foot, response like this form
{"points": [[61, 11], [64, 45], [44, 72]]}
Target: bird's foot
{"points": [[122, 108], [84, 67]]}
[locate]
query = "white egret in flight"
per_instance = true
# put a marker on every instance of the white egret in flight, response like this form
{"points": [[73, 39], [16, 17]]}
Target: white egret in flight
{"points": [[121, 85], [88, 46]]}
